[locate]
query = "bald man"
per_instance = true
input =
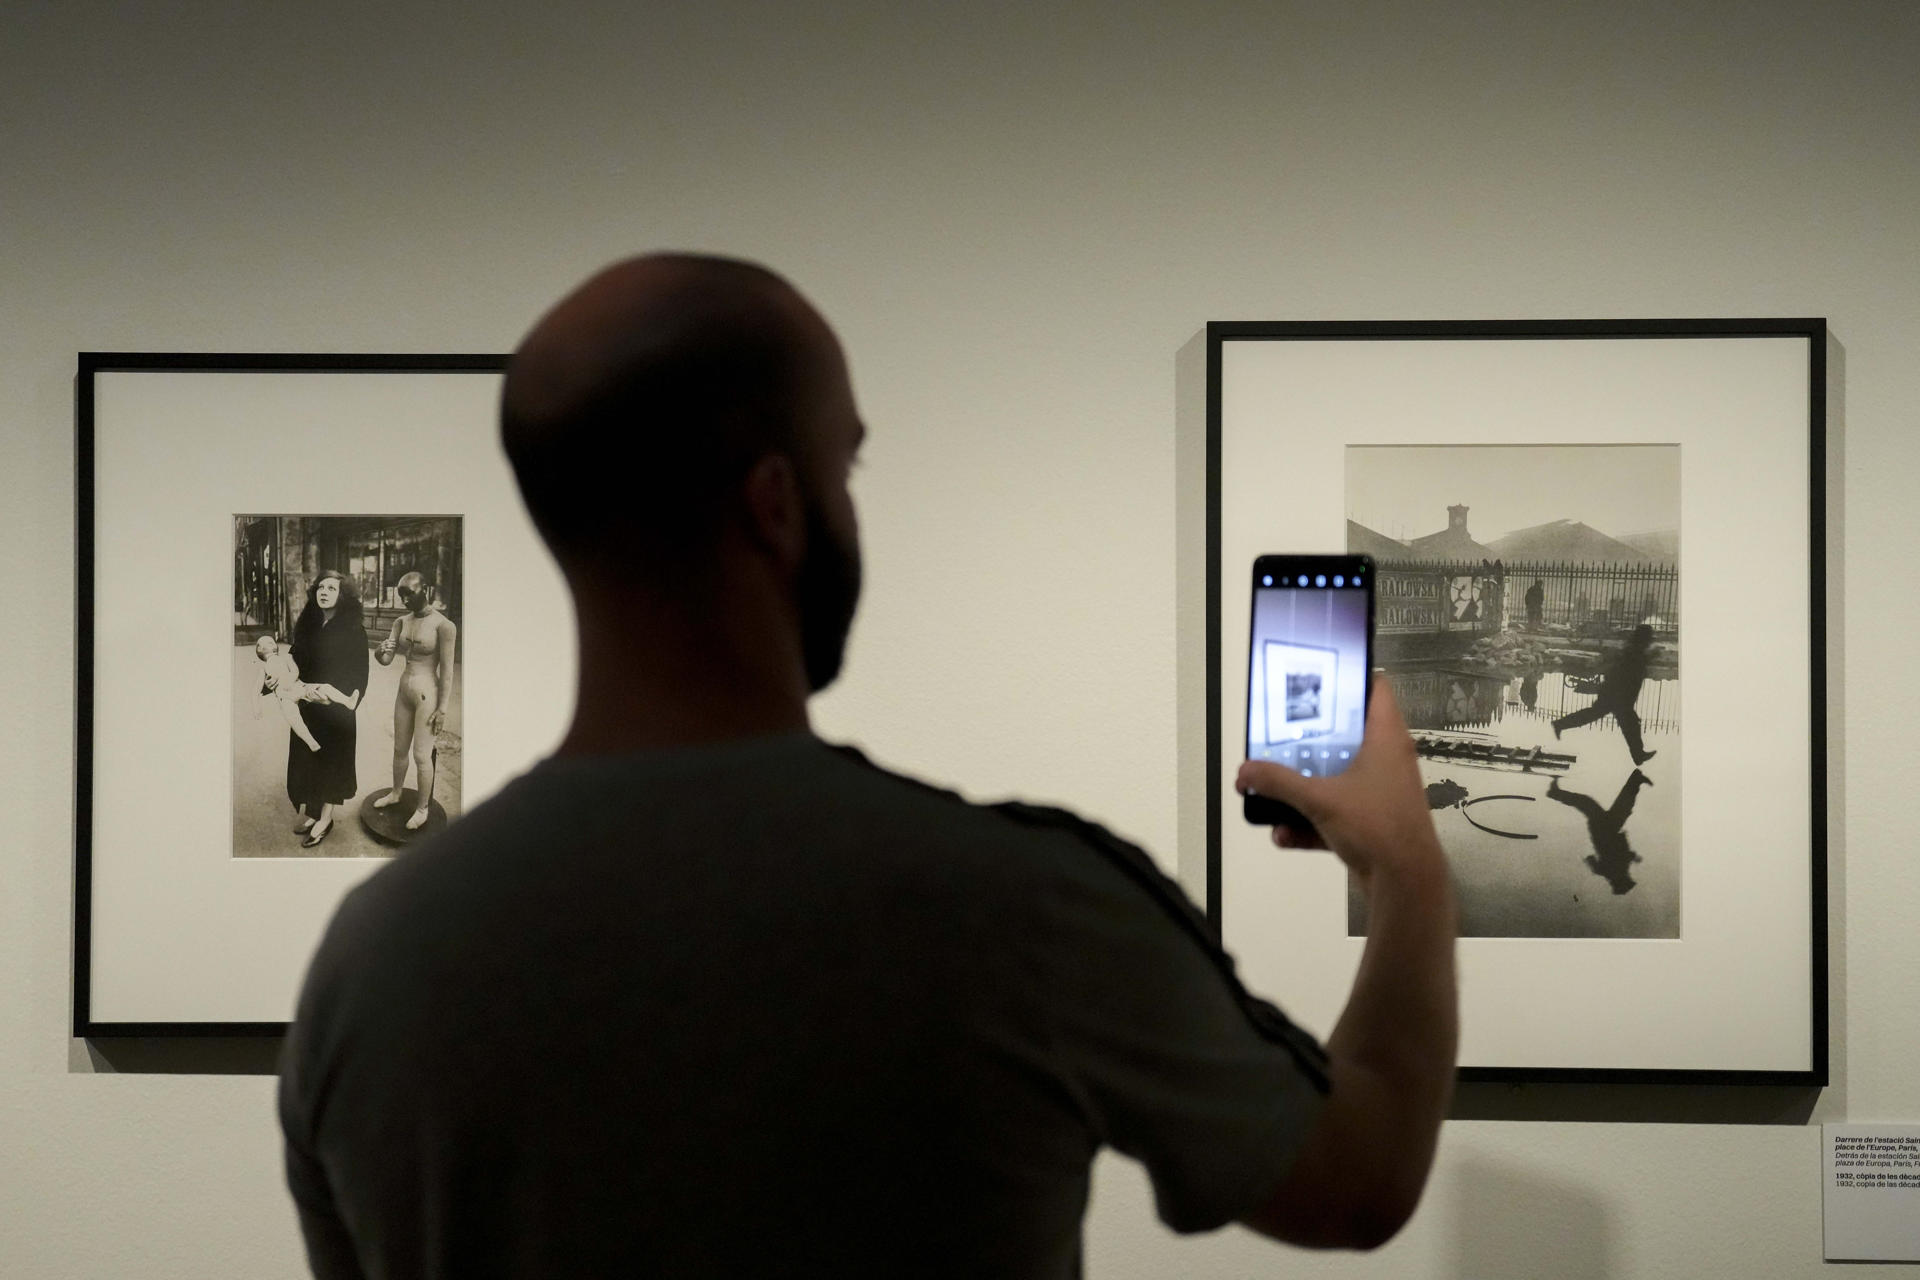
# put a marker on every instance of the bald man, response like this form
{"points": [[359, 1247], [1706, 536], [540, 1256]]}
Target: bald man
{"points": [[701, 995]]}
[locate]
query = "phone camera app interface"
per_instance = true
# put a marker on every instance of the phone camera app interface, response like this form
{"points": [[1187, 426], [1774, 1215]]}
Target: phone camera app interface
{"points": [[1307, 689]]}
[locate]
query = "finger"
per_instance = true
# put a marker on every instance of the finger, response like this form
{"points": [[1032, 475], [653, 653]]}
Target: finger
{"points": [[1291, 837], [1383, 710], [1277, 782], [1386, 735]]}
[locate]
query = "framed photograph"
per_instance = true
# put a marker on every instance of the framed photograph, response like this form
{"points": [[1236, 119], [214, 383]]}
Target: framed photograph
{"points": [[315, 624], [1298, 696], [1566, 516]]}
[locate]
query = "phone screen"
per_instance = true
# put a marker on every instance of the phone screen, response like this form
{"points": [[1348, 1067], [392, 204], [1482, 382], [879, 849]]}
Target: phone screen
{"points": [[1309, 661]]}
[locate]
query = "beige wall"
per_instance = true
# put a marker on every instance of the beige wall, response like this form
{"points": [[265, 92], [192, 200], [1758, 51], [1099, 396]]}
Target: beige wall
{"points": [[1016, 220]]}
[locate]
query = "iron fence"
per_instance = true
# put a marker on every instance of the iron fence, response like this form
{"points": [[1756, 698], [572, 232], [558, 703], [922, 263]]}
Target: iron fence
{"points": [[1579, 598]]}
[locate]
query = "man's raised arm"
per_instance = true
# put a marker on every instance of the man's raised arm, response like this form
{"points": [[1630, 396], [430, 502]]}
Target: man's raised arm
{"points": [[1364, 1162]]}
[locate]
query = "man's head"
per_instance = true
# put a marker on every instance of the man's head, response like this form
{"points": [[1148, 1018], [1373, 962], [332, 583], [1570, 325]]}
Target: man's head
{"points": [[675, 404]]}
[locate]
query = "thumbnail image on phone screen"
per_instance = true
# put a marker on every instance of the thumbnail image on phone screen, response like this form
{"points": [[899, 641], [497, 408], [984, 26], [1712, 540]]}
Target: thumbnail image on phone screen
{"points": [[1309, 671]]}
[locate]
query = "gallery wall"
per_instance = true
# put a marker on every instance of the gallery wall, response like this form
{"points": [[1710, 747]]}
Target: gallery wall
{"points": [[1017, 216]]}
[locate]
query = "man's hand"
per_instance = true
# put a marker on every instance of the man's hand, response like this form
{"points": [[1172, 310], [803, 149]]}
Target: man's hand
{"points": [[1374, 815]]}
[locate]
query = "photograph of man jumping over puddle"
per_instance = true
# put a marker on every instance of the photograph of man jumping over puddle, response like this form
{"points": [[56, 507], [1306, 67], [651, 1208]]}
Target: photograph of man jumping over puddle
{"points": [[1528, 615]]}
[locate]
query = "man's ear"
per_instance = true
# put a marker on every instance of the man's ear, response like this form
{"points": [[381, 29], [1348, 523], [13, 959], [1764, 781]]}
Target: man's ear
{"points": [[776, 511]]}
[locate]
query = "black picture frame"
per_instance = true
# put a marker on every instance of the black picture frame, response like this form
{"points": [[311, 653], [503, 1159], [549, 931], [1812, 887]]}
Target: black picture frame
{"points": [[1799, 346], [93, 867]]}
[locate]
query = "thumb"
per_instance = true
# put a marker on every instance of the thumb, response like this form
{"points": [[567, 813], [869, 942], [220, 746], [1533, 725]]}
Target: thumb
{"points": [[1277, 782]]}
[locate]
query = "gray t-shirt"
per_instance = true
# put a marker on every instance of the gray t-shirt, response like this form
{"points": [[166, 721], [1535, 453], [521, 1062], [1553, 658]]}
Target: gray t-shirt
{"points": [[764, 1009]]}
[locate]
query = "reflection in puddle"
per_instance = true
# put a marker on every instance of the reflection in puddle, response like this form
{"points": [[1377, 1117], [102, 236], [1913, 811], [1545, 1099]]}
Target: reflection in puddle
{"points": [[1464, 700], [1490, 756], [1611, 858]]}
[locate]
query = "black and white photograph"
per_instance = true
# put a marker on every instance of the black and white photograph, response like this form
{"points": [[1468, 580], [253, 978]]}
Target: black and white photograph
{"points": [[1523, 487], [1527, 616], [346, 683], [1299, 674]]}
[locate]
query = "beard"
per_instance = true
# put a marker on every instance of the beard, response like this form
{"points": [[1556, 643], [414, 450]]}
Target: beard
{"points": [[826, 589]]}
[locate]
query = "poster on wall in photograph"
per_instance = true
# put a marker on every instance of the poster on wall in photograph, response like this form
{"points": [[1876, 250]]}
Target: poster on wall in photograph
{"points": [[300, 579], [1546, 503]]}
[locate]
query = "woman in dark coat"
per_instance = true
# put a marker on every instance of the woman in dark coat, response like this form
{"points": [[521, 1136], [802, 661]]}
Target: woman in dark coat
{"points": [[330, 648]]}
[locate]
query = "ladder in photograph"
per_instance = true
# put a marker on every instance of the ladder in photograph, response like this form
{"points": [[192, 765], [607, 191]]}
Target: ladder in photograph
{"points": [[1470, 750]]}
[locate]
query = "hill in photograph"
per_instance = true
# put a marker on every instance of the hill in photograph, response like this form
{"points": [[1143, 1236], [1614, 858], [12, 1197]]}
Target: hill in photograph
{"points": [[1564, 540]]}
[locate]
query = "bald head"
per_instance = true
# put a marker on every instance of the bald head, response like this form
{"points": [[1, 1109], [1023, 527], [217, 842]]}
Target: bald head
{"points": [[635, 406]]}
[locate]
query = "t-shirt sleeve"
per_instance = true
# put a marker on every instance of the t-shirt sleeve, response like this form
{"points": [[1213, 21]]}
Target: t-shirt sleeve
{"points": [[330, 1251], [1176, 1063]]}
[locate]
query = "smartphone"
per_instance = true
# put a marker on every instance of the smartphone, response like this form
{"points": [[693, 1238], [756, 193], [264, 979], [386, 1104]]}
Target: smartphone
{"points": [[1309, 668]]}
